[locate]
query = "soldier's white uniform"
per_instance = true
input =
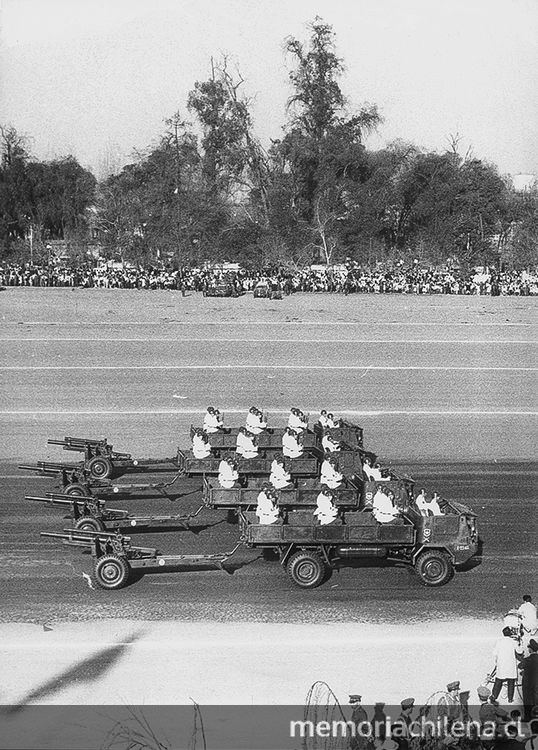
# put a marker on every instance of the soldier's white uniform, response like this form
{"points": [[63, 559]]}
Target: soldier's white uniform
{"points": [[330, 476], [254, 423], [266, 510], [279, 476], [291, 447], [325, 511], [228, 475], [428, 507], [297, 421], [212, 422], [382, 508], [200, 447], [246, 446], [329, 445]]}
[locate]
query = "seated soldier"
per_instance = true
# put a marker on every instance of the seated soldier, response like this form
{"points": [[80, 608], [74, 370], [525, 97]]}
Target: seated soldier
{"points": [[266, 509], [367, 468], [247, 444], [280, 476], [212, 420], [330, 475], [375, 473], [254, 422], [332, 421], [291, 444], [200, 444], [383, 508], [323, 421], [326, 511], [228, 474], [297, 420], [329, 444], [430, 507]]}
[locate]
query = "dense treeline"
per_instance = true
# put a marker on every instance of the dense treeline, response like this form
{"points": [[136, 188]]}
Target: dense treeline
{"points": [[207, 190]]}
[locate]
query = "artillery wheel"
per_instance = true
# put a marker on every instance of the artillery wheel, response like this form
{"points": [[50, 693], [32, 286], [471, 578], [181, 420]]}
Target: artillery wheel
{"points": [[76, 490], [307, 569], [100, 467], [434, 567], [89, 523], [111, 572]]}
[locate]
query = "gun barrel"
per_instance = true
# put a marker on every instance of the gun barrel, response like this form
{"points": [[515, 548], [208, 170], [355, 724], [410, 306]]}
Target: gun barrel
{"points": [[53, 499], [76, 443]]}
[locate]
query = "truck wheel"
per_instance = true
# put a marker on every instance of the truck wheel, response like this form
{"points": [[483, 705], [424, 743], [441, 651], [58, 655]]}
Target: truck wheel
{"points": [[89, 523], [307, 569], [76, 490], [99, 467], [111, 572], [434, 568]]}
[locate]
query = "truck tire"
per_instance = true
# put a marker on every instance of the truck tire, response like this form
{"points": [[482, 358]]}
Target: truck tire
{"points": [[307, 569], [100, 467], [434, 567], [111, 572], [89, 523], [76, 490]]}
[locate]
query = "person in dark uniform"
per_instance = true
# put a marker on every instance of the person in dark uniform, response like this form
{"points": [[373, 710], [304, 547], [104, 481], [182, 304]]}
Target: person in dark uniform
{"points": [[379, 721], [401, 726], [359, 715], [529, 683]]}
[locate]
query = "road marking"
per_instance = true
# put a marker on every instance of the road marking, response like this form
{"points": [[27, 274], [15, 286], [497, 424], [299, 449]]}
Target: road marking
{"points": [[275, 341], [270, 367], [243, 410], [337, 323]]}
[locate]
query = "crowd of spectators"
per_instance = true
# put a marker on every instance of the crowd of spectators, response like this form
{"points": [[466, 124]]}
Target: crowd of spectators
{"points": [[464, 719], [340, 279]]}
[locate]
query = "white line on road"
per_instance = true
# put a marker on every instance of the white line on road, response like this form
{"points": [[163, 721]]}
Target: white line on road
{"points": [[234, 323], [220, 340], [115, 412], [363, 368]]}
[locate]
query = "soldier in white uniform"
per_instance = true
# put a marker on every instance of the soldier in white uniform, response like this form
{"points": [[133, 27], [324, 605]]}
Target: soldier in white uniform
{"points": [[247, 444], [323, 421], [291, 444], [527, 610], [267, 510], [297, 420], [280, 476], [330, 475], [254, 422], [332, 421], [428, 507], [367, 468], [326, 511], [383, 509], [212, 420], [228, 474], [329, 444], [200, 445]]}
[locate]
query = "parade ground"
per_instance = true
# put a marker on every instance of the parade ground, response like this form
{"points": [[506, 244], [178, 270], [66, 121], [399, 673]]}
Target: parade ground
{"points": [[445, 389]]}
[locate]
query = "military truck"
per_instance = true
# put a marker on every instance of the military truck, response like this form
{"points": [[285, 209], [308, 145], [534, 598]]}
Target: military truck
{"points": [[433, 546]]}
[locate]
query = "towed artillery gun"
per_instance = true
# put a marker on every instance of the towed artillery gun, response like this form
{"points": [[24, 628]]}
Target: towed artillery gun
{"points": [[100, 460], [117, 561], [92, 514]]}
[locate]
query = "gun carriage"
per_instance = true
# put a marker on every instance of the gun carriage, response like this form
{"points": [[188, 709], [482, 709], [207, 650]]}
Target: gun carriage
{"points": [[92, 514]]}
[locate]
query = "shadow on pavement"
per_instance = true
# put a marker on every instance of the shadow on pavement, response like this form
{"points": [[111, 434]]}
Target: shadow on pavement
{"points": [[88, 670]]}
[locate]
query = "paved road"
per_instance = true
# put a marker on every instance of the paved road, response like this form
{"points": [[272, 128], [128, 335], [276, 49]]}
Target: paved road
{"points": [[445, 386]]}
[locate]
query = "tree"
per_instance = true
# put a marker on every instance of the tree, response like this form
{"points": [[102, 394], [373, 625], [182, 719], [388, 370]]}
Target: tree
{"points": [[323, 148]]}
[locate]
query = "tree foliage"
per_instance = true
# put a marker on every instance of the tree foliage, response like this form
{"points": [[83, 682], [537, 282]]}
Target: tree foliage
{"points": [[208, 190]]}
